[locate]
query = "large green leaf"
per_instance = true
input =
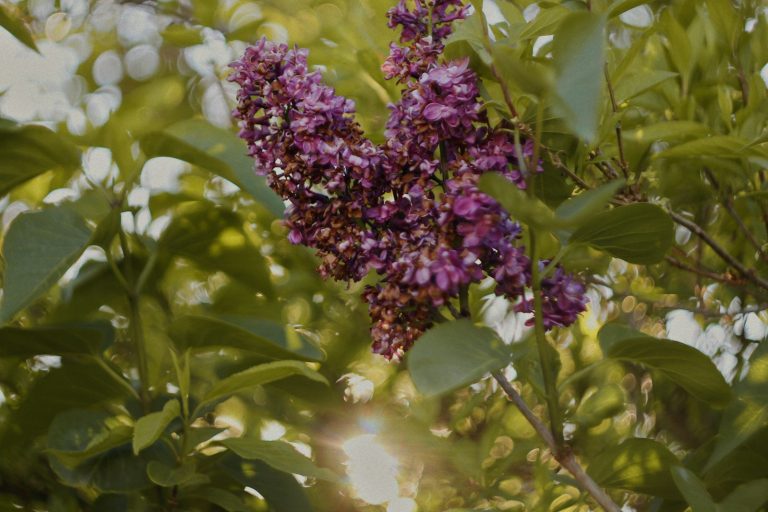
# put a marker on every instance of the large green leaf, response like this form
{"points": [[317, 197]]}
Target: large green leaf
{"points": [[604, 403], [38, 249], [693, 490], [259, 336], [17, 28], [638, 233], [149, 428], [200, 143], [281, 490], [578, 49], [258, 376], [681, 363], [87, 338], [748, 411], [638, 465], [748, 497], [77, 435], [636, 83], [280, 455], [166, 475], [74, 385], [214, 239], [27, 151], [452, 355], [718, 146]]}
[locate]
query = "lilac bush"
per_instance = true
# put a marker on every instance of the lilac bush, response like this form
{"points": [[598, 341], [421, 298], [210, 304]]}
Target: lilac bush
{"points": [[408, 210]]}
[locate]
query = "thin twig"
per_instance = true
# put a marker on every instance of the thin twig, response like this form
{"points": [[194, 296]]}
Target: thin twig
{"points": [[615, 107], [725, 255], [699, 271], [727, 203], [564, 455]]}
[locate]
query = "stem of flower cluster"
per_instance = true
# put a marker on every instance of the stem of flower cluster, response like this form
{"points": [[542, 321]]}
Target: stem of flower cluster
{"points": [[565, 457], [547, 369]]}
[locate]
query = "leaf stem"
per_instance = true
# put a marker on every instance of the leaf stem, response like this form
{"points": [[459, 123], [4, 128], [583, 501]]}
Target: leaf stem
{"points": [[564, 456], [615, 108]]}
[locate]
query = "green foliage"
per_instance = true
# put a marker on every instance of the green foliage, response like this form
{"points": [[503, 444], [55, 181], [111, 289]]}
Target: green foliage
{"points": [[453, 355], [158, 328]]}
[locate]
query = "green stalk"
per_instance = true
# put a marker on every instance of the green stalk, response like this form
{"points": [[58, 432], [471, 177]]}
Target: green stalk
{"points": [[547, 368]]}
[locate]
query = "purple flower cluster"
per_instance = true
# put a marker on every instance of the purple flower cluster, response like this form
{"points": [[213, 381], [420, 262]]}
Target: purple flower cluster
{"points": [[410, 209]]}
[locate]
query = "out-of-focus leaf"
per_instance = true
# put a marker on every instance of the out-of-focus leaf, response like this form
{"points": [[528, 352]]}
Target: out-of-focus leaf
{"points": [[80, 434], [693, 490], [165, 475], [529, 76], [748, 411], [638, 465], [604, 403], [214, 239], [149, 428], [17, 28], [520, 205], [746, 498], [263, 337], [546, 22], [578, 49], [718, 146], [453, 355], [638, 233], [258, 376], [633, 84], [28, 151], [56, 340], [669, 130], [280, 455], [582, 207], [281, 490], [221, 498], [681, 363], [38, 249], [620, 6], [200, 143]]}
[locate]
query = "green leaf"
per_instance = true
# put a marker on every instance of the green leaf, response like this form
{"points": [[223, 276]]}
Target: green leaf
{"points": [[221, 498], [281, 490], [38, 249], [668, 130], [149, 428], [638, 465], [638, 233], [258, 376], [578, 49], [718, 146], [746, 498], [214, 239], [620, 6], [682, 364], [529, 76], [170, 476], [452, 355], [633, 84], [748, 411], [582, 207], [17, 28], [605, 403], [259, 336], [612, 333], [520, 205], [28, 151], [75, 339], [200, 143], [280, 455], [546, 22], [77, 435], [693, 490]]}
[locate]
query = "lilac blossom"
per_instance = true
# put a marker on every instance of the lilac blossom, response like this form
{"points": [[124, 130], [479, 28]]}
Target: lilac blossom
{"points": [[408, 210]]}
